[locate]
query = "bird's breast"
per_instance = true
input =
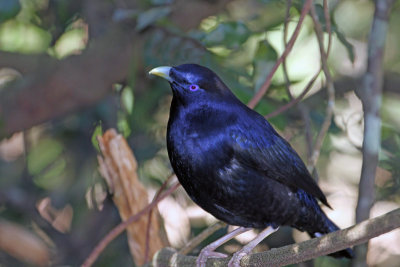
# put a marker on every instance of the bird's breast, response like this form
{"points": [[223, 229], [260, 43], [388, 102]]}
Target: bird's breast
{"points": [[196, 143]]}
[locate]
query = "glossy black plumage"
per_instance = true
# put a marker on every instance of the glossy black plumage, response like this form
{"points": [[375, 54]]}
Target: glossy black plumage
{"points": [[233, 164]]}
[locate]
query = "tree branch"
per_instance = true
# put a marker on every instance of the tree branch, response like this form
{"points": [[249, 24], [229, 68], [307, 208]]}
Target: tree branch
{"points": [[51, 88], [371, 97], [300, 252], [59, 87]]}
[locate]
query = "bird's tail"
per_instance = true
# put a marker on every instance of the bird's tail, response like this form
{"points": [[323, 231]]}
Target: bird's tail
{"points": [[329, 227]]}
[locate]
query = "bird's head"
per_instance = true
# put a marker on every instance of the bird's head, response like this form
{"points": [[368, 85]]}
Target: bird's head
{"points": [[192, 82]]}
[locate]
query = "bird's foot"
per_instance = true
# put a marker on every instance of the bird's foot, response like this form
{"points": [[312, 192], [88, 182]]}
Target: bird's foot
{"points": [[237, 257], [207, 253]]}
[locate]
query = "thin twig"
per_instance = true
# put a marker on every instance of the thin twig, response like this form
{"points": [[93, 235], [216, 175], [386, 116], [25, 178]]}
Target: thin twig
{"points": [[302, 108], [328, 26], [305, 114], [293, 101], [264, 87], [330, 90], [160, 190], [285, 32], [147, 245], [122, 226], [201, 237]]}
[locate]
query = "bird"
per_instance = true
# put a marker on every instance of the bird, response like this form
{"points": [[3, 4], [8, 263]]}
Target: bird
{"points": [[234, 165]]}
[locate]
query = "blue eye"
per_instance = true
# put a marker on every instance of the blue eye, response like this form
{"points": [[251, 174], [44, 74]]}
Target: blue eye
{"points": [[194, 87]]}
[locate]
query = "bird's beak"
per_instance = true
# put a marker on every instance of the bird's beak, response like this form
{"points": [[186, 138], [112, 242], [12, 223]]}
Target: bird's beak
{"points": [[163, 72]]}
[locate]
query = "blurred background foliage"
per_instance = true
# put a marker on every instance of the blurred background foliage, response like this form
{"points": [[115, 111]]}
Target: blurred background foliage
{"points": [[240, 41]]}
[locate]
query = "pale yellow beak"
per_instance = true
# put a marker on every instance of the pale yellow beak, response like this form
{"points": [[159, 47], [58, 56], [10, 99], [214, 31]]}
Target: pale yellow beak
{"points": [[162, 71]]}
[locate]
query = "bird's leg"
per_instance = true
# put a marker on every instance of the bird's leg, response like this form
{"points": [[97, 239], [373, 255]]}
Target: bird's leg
{"points": [[235, 260], [209, 251]]}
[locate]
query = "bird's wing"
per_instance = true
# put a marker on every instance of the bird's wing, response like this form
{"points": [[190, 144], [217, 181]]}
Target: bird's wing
{"points": [[264, 151]]}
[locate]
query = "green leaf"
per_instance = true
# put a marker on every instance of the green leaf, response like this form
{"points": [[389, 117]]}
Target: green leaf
{"points": [[9, 9], [349, 47], [230, 34], [150, 16], [16, 36], [43, 154], [123, 125], [70, 42], [127, 99], [97, 131], [264, 60], [52, 177]]}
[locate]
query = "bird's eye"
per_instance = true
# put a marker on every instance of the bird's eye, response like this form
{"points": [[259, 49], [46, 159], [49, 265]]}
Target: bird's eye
{"points": [[194, 87]]}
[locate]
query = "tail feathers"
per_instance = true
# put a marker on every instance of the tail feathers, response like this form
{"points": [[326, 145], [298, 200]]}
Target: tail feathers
{"points": [[331, 227]]}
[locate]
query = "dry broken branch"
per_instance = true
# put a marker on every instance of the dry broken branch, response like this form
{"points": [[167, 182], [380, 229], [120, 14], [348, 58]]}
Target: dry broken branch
{"points": [[119, 168]]}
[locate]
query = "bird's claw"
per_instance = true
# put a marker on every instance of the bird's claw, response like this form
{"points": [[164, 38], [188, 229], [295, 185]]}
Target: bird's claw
{"points": [[236, 258], [205, 255]]}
